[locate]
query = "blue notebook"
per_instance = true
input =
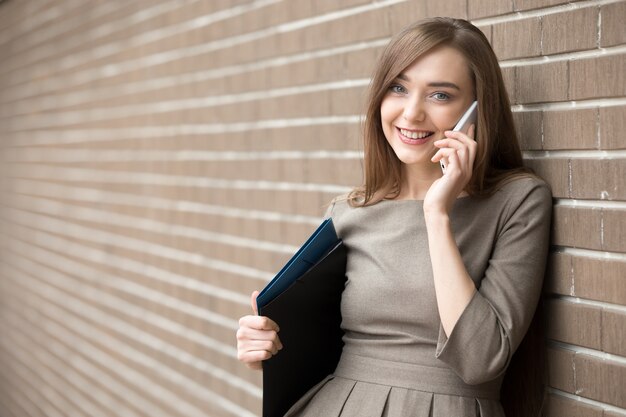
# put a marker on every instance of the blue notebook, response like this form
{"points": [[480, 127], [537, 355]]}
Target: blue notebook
{"points": [[317, 245]]}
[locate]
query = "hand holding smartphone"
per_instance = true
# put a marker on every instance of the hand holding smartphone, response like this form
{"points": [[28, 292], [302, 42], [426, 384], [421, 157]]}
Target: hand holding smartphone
{"points": [[468, 118]]}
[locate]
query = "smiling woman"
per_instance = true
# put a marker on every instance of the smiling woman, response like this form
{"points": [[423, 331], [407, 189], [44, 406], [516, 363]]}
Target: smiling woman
{"points": [[444, 271], [424, 101]]}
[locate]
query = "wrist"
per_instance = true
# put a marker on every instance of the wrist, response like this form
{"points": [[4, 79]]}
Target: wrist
{"points": [[436, 218]]}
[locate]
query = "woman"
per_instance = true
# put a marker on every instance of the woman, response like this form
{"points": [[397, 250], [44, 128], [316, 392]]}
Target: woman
{"points": [[444, 270]]}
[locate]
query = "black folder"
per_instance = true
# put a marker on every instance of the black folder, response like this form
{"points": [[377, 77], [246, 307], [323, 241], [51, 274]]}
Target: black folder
{"points": [[309, 316]]}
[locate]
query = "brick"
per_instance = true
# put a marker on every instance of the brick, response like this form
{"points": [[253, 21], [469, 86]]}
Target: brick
{"points": [[577, 227], [347, 172], [347, 101], [517, 39], [604, 76], [601, 280], [612, 127], [612, 21], [614, 230], [572, 129], [586, 183], [613, 334], [402, 14], [325, 6], [570, 31], [555, 172], [485, 8], [351, 29], [541, 83], [488, 32], [451, 8], [600, 379], [561, 369], [528, 126], [508, 77], [536, 4], [559, 406], [559, 276], [574, 323], [360, 64]]}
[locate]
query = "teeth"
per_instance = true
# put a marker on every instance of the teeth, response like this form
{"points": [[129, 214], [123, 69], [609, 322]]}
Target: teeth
{"points": [[414, 135]]}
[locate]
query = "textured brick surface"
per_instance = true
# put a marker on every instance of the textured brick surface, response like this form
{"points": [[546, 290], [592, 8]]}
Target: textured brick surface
{"points": [[521, 38], [612, 16], [529, 129], [541, 83], [570, 31], [577, 227], [572, 129], [557, 406], [587, 184], [483, 8], [599, 279], [536, 4], [452, 8], [612, 123], [575, 324], [561, 369], [600, 77], [601, 380], [559, 276], [613, 333], [555, 171], [614, 229]]}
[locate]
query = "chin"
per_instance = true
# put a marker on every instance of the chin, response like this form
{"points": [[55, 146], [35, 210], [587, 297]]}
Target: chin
{"points": [[411, 159]]}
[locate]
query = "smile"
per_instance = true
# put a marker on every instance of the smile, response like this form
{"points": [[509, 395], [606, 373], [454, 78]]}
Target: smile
{"points": [[413, 137]]}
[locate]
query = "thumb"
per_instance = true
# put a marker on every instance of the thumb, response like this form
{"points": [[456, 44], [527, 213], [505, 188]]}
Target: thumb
{"points": [[253, 302]]}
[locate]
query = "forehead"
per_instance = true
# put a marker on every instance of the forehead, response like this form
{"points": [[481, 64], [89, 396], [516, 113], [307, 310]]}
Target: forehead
{"points": [[440, 64]]}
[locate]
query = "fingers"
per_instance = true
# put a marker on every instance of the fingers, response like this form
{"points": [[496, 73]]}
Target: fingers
{"points": [[253, 297], [465, 137], [245, 335], [453, 161], [259, 323], [254, 346], [253, 359], [459, 143]]}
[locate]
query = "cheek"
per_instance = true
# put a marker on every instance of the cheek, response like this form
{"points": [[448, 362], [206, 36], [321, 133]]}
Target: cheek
{"points": [[444, 119], [388, 110], [386, 118]]}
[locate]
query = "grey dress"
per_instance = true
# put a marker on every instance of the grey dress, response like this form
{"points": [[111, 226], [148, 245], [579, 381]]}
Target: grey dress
{"points": [[397, 360]]}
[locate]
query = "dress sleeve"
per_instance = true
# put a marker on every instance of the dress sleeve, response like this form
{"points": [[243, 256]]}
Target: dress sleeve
{"points": [[497, 317]]}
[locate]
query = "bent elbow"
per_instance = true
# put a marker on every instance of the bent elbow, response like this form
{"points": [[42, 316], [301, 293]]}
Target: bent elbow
{"points": [[486, 373]]}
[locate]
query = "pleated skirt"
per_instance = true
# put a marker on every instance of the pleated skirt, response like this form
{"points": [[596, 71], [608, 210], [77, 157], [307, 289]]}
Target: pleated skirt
{"points": [[367, 387]]}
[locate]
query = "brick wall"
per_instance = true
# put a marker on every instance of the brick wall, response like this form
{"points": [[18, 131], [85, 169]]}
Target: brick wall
{"points": [[161, 159]]}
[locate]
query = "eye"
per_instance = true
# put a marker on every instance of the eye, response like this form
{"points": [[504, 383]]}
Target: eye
{"points": [[397, 88], [441, 96]]}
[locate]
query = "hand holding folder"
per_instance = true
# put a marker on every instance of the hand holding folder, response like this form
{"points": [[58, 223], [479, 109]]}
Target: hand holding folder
{"points": [[304, 300]]}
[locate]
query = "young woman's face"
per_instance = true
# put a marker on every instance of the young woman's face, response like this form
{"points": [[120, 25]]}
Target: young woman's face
{"points": [[426, 99]]}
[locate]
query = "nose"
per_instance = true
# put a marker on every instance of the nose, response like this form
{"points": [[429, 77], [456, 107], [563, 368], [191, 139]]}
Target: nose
{"points": [[414, 110]]}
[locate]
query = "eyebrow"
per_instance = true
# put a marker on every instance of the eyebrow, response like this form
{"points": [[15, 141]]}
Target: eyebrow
{"points": [[434, 83]]}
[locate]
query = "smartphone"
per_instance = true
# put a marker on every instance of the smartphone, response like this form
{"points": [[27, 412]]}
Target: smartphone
{"points": [[468, 118]]}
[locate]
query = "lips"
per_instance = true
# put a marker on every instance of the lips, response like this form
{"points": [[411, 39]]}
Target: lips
{"points": [[414, 137]]}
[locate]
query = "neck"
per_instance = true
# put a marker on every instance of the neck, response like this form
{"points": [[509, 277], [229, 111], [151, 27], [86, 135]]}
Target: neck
{"points": [[417, 180]]}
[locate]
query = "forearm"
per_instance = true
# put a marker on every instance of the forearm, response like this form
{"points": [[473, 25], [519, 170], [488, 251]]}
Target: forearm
{"points": [[454, 287]]}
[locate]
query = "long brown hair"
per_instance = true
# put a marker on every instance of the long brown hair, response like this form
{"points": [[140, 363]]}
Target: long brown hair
{"points": [[498, 157], [498, 160]]}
